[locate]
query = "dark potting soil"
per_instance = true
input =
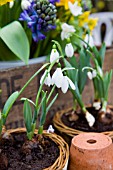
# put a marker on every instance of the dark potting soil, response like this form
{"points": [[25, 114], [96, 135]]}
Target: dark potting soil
{"points": [[81, 123], [16, 153]]}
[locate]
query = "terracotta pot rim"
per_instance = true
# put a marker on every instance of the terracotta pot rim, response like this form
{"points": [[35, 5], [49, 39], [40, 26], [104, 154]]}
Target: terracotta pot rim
{"points": [[92, 141], [62, 160]]}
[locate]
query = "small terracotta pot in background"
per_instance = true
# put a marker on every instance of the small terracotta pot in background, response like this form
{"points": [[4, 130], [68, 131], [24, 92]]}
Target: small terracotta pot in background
{"points": [[91, 151]]}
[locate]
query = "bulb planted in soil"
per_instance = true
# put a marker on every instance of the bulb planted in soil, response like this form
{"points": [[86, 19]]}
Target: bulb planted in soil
{"points": [[22, 154], [106, 117]]}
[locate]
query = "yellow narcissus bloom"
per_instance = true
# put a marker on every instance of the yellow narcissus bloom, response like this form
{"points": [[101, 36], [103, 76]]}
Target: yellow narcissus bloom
{"points": [[84, 18], [2, 2], [64, 3], [92, 22]]}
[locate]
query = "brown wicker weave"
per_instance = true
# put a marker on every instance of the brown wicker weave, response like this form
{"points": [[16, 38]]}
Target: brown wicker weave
{"points": [[70, 131], [63, 147]]}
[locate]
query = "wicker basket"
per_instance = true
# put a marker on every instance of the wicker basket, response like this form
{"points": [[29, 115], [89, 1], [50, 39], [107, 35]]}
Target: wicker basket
{"points": [[68, 132], [62, 160]]}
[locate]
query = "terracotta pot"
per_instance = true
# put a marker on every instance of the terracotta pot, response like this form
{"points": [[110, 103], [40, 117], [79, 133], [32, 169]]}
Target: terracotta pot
{"points": [[62, 161], [91, 151]]}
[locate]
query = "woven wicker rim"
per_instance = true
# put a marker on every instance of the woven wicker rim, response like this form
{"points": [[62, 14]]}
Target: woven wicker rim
{"points": [[70, 131], [61, 161]]}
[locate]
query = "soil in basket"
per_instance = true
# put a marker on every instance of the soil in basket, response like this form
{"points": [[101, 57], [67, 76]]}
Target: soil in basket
{"points": [[17, 154], [81, 123]]}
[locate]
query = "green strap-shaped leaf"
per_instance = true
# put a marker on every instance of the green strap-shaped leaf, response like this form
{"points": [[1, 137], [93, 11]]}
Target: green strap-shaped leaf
{"points": [[102, 53], [10, 101], [51, 103], [15, 38], [27, 116], [43, 114]]}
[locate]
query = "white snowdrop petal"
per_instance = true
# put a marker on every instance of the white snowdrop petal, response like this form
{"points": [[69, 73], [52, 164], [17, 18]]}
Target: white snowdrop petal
{"points": [[42, 77], [48, 80], [69, 50], [54, 55], [94, 73], [90, 119], [65, 85], [89, 39], [57, 77], [71, 83], [89, 74]]}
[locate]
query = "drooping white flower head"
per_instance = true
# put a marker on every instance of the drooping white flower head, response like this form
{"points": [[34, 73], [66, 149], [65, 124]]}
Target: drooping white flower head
{"points": [[11, 4], [67, 30], [89, 39], [48, 79], [74, 8], [50, 129], [92, 74], [90, 119], [69, 50], [54, 55], [25, 4], [61, 81]]}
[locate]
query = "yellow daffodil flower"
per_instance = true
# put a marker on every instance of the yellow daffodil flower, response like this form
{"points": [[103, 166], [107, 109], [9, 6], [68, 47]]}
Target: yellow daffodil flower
{"points": [[84, 18], [2, 2], [64, 3], [92, 23]]}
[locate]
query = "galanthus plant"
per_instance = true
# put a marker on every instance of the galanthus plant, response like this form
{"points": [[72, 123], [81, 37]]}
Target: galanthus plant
{"points": [[101, 82], [44, 99]]}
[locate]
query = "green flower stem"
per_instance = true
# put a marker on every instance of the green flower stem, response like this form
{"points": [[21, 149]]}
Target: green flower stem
{"points": [[78, 98], [59, 47], [40, 130], [40, 89]]}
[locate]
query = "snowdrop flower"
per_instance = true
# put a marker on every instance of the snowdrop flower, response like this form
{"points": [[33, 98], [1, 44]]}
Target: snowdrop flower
{"points": [[74, 8], [50, 129], [65, 84], [67, 30], [25, 4], [88, 39], [69, 50], [97, 105], [11, 4], [90, 119], [61, 81], [92, 74], [48, 80], [54, 55]]}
